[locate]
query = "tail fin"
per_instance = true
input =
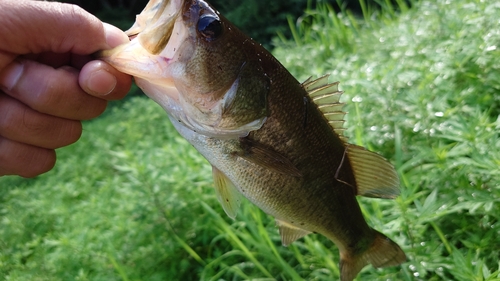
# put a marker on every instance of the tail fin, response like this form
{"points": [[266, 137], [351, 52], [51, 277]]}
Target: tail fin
{"points": [[382, 253]]}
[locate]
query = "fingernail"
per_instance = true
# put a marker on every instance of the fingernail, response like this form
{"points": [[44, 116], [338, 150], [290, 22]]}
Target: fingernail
{"points": [[10, 75], [102, 82], [114, 36]]}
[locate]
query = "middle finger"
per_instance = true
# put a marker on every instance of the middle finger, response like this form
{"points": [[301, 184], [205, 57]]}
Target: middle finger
{"points": [[25, 125], [48, 90]]}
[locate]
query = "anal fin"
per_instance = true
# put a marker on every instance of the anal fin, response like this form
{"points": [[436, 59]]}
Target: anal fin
{"points": [[289, 232], [227, 194]]}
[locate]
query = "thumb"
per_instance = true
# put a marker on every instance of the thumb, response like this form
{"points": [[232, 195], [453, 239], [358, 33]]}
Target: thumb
{"points": [[114, 35], [36, 27]]}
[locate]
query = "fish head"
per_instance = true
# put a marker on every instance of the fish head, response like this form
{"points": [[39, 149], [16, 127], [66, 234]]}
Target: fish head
{"points": [[199, 67]]}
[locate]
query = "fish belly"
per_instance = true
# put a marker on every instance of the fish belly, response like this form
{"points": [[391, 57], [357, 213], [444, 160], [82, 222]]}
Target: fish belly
{"points": [[312, 204]]}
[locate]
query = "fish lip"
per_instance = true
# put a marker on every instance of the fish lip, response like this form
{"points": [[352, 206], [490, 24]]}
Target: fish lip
{"points": [[149, 39], [151, 13], [132, 36], [155, 24]]}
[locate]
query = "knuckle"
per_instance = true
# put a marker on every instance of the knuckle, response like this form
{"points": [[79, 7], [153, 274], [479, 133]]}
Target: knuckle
{"points": [[72, 132], [48, 93], [24, 160], [32, 123], [9, 114], [67, 98], [39, 162], [23, 124], [86, 22], [77, 13], [16, 120]]}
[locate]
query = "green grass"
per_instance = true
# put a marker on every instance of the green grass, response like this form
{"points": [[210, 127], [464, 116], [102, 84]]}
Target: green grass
{"points": [[133, 201], [422, 89]]}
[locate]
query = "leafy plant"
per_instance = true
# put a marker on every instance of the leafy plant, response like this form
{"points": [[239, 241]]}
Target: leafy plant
{"points": [[133, 201]]}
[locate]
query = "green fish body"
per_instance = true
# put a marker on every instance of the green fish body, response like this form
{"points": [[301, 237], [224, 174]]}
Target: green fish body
{"points": [[269, 138]]}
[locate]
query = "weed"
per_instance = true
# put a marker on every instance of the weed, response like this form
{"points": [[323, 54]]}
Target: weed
{"points": [[134, 201]]}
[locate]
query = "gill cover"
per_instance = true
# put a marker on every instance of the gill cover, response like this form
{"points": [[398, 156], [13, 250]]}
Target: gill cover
{"points": [[195, 64], [222, 87]]}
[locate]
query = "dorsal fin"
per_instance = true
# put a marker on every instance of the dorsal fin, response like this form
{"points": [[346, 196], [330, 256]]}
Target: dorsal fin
{"points": [[326, 96], [375, 176]]}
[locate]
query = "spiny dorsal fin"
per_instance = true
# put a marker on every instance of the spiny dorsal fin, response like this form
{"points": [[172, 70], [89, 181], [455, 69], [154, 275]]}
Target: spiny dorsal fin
{"points": [[326, 96], [375, 176], [227, 194], [289, 232]]}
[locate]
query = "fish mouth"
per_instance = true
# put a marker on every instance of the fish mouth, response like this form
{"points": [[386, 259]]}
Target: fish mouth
{"points": [[155, 24], [173, 62], [152, 45]]}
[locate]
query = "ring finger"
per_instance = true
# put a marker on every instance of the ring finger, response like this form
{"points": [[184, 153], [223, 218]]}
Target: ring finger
{"points": [[22, 124]]}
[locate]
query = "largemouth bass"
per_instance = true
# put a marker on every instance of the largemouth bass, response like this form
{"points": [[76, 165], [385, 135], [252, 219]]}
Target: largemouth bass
{"points": [[276, 141]]}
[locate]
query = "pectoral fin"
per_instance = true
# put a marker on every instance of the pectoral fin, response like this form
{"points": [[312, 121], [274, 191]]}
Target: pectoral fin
{"points": [[227, 194], [375, 176], [289, 232], [266, 157]]}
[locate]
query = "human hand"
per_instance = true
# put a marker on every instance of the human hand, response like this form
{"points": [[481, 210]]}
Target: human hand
{"points": [[49, 82]]}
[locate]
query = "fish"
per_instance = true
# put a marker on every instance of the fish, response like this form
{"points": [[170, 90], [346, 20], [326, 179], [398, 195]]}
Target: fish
{"points": [[269, 138]]}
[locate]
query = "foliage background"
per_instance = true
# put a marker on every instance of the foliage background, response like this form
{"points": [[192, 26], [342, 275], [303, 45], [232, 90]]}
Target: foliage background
{"points": [[260, 19], [133, 201]]}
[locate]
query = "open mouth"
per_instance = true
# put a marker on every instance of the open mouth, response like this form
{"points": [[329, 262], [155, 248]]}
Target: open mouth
{"points": [[132, 36], [155, 24], [155, 38]]}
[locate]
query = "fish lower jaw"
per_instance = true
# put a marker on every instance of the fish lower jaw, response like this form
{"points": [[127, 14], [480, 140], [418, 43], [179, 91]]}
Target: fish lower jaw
{"points": [[165, 94], [212, 130], [191, 118]]}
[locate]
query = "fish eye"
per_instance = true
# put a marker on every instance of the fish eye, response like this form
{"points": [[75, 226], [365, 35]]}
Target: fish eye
{"points": [[209, 27]]}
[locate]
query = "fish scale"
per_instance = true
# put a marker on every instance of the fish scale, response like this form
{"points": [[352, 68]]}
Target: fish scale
{"points": [[269, 138]]}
